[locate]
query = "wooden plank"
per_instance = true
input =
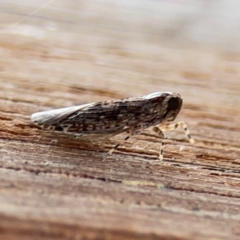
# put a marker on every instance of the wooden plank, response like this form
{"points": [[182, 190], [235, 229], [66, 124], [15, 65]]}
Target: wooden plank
{"points": [[56, 187]]}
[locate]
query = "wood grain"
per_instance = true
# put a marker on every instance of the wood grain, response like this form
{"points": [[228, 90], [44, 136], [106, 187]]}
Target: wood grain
{"points": [[56, 187]]}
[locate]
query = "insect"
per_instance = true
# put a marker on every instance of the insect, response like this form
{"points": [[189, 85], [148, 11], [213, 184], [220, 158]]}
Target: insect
{"points": [[105, 119]]}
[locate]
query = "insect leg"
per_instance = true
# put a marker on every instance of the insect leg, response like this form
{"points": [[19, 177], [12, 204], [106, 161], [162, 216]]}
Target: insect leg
{"points": [[136, 130], [169, 127], [160, 133], [115, 147]]}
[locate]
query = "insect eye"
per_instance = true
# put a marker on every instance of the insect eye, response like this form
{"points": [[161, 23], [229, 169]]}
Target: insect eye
{"points": [[174, 104], [173, 108]]}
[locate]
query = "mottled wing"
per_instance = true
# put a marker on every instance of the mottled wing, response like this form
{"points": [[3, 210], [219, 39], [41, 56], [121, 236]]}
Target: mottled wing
{"points": [[110, 117], [51, 119]]}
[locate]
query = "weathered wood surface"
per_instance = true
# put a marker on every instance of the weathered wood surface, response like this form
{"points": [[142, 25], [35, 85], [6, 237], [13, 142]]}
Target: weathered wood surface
{"points": [[54, 187]]}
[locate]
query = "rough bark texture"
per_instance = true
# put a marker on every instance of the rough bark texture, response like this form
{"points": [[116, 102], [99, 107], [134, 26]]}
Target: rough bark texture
{"points": [[56, 187]]}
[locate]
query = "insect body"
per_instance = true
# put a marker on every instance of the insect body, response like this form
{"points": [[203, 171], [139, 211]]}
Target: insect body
{"points": [[132, 115]]}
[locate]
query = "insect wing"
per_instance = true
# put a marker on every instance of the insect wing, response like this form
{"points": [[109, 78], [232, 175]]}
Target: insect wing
{"points": [[53, 117], [109, 117]]}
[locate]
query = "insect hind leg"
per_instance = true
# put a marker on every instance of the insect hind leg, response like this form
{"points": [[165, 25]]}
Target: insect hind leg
{"points": [[115, 147], [136, 130]]}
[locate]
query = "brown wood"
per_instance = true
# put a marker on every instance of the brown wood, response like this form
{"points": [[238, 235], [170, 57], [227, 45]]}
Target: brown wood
{"points": [[56, 187]]}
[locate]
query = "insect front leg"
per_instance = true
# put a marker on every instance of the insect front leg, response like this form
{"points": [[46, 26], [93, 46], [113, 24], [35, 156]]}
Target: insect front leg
{"points": [[168, 127], [173, 126], [160, 133]]}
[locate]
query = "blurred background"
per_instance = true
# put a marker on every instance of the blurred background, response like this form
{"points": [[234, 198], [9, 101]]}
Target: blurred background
{"points": [[214, 23]]}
